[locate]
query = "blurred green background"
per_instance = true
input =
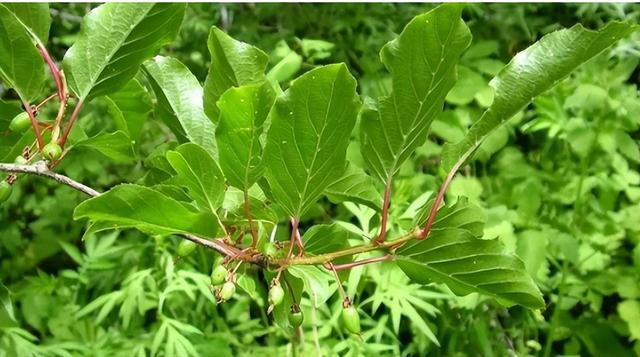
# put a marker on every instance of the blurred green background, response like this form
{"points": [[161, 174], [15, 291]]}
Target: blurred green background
{"points": [[559, 182]]}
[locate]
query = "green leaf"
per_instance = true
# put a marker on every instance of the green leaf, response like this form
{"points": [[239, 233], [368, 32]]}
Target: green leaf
{"points": [[21, 66], [150, 211], [114, 39], [130, 107], [180, 95], [461, 214], [33, 16], [5, 300], [629, 311], [233, 63], [239, 134], [422, 62], [311, 124], [530, 73], [327, 238], [116, 146], [200, 174], [466, 264], [355, 186]]}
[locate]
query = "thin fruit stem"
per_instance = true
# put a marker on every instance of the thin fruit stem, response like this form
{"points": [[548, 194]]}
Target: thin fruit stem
{"points": [[46, 100], [343, 294], [385, 213]]}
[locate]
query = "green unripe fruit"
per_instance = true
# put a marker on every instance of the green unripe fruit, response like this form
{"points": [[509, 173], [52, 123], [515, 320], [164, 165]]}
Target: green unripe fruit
{"points": [[218, 275], [20, 122], [351, 319], [276, 295], [296, 317], [227, 291], [52, 151], [5, 191], [20, 160], [186, 247]]}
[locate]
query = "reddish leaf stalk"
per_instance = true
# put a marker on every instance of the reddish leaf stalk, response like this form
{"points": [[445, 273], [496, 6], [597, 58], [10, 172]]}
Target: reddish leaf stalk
{"points": [[72, 120], [34, 123], [385, 213], [55, 72], [247, 212], [443, 188], [356, 263]]}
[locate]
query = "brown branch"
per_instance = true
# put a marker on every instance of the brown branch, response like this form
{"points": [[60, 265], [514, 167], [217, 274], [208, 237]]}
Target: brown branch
{"points": [[40, 169]]}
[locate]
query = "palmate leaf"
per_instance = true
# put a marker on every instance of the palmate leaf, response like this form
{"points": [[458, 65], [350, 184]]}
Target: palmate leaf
{"points": [[530, 73], [179, 96], [422, 63], [115, 38], [311, 124], [21, 66], [133, 206], [233, 63], [243, 111]]}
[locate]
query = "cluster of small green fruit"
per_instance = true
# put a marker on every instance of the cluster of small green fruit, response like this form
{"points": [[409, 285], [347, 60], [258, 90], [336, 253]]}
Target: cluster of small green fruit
{"points": [[52, 152], [223, 284]]}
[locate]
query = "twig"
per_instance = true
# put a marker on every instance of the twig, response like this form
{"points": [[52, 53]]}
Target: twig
{"points": [[40, 168], [338, 267]]}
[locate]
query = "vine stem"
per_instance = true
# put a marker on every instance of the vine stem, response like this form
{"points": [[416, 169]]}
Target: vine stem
{"points": [[356, 263], [40, 168]]}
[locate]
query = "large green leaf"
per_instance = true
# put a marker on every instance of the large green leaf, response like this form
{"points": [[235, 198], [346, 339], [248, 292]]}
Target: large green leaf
{"points": [[200, 174], [117, 146], [233, 63], [311, 124], [148, 210], [33, 16], [467, 264], [115, 38], [179, 95], [239, 134], [355, 186], [129, 107], [530, 73], [21, 66], [422, 62]]}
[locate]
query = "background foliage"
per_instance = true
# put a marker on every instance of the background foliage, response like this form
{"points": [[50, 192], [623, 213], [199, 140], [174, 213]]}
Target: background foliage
{"points": [[559, 185]]}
